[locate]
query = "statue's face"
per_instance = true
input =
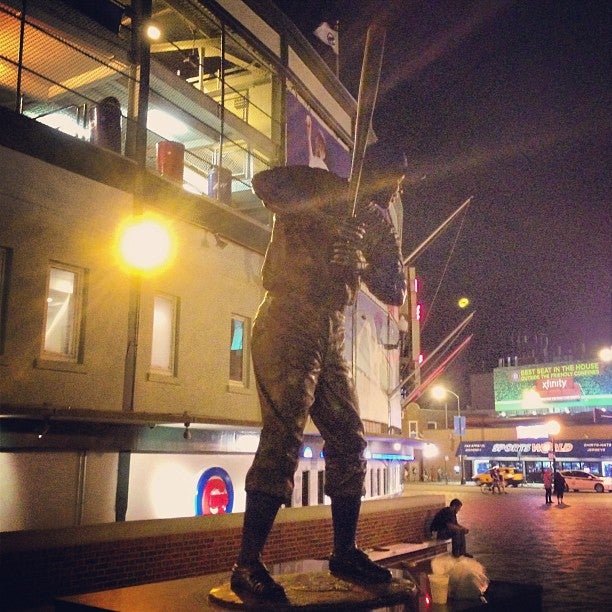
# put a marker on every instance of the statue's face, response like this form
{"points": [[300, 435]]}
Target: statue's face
{"points": [[382, 188]]}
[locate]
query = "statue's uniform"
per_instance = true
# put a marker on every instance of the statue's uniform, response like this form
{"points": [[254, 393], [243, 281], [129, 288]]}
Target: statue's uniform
{"points": [[298, 333]]}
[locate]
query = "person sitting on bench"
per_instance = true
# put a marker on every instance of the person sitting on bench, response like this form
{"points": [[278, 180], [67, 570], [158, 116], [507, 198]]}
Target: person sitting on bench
{"points": [[446, 526]]}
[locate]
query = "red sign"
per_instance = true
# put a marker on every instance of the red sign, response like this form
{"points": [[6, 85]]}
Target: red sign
{"points": [[215, 498], [563, 388], [215, 492]]}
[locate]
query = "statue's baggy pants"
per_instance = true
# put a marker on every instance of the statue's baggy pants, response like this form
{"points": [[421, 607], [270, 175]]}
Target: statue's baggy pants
{"points": [[318, 256], [300, 370]]}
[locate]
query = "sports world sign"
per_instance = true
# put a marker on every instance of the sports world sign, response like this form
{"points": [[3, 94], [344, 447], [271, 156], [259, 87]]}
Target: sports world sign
{"points": [[537, 449]]}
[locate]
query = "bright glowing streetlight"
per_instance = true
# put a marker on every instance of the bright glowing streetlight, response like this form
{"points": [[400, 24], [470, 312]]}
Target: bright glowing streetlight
{"points": [[145, 244], [439, 392], [430, 451], [553, 428], [605, 354], [152, 31]]}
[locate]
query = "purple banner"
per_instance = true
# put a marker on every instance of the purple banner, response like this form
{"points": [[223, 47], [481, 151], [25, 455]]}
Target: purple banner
{"points": [[310, 144]]}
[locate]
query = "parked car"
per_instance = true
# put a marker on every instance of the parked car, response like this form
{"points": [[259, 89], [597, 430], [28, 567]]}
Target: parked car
{"points": [[579, 480], [511, 477]]}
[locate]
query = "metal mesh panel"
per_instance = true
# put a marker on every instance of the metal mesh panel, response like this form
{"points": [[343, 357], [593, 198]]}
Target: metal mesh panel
{"points": [[69, 66]]}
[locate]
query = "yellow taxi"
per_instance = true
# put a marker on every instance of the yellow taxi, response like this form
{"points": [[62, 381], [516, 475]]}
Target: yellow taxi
{"points": [[510, 475]]}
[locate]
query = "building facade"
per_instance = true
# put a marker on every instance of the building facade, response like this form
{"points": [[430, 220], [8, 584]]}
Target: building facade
{"points": [[130, 394]]}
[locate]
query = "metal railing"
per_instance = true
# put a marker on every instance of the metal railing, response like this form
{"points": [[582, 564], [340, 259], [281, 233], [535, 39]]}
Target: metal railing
{"points": [[62, 78]]}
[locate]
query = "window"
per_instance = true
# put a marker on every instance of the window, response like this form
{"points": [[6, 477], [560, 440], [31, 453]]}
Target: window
{"points": [[4, 273], [432, 425], [321, 487], [63, 321], [413, 429], [164, 336], [238, 333], [305, 488]]}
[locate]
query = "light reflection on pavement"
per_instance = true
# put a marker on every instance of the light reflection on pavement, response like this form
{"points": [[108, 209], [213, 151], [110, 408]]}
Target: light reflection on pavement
{"points": [[518, 538]]}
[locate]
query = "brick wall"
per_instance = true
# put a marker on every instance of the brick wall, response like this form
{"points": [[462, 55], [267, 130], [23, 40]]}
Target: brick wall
{"points": [[35, 566]]}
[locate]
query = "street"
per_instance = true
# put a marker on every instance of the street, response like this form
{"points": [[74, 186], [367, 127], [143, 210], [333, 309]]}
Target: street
{"points": [[518, 538]]}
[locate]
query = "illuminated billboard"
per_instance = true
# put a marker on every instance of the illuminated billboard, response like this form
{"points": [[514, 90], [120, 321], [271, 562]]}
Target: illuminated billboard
{"points": [[551, 387]]}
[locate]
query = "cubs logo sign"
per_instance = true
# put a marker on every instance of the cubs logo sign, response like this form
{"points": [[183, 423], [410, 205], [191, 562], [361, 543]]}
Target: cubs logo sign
{"points": [[214, 493]]}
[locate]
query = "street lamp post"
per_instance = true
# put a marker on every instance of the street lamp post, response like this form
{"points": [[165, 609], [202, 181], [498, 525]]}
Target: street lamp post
{"points": [[144, 245], [439, 393], [553, 429], [552, 446], [460, 438]]}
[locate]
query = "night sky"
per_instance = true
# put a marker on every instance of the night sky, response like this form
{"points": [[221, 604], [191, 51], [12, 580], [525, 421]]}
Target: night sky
{"points": [[508, 102]]}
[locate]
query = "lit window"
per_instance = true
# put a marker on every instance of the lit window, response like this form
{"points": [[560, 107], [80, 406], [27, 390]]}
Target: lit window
{"points": [[163, 343], [238, 332], [65, 298]]}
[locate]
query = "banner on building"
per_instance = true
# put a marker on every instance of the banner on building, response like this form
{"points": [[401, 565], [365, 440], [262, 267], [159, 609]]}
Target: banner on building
{"points": [[310, 143]]}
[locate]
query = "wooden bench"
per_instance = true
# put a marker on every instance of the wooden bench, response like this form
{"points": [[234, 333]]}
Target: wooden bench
{"points": [[408, 551]]}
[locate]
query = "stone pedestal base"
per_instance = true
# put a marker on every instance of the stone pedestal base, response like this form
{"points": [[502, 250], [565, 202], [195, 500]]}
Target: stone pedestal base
{"points": [[320, 591]]}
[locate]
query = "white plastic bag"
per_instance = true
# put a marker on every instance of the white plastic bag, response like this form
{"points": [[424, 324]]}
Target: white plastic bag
{"points": [[467, 578], [442, 564]]}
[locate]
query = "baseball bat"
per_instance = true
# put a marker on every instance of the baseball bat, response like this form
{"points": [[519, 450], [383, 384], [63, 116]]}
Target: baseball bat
{"points": [[366, 101]]}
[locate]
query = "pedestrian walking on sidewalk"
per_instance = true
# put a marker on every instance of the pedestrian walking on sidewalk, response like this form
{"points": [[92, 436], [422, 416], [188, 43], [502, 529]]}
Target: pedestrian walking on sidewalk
{"points": [[501, 483], [548, 485], [495, 476], [559, 485]]}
